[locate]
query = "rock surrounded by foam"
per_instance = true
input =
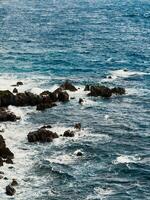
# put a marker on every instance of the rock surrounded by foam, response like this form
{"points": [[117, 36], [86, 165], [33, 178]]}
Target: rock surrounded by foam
{"points": [[42, 135]]}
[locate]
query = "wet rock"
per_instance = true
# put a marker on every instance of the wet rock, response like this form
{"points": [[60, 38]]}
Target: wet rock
{"points": [[1, 162], [19, 83], [1, 172], [125, 70], [6, 153], [9, 161], [87, 88], [6, 98], [118, 90], [79, 153], [44, 106], [1, 176], [109, 77], [100, 91], [27, 99], [5, 178], [68, 133], [72, 97], [48, 96], [10, 190], [68, 86], [63, 96], [15, 90], [42, 135], [6, 115], [77, 126], [81, 101], [14, 182]]}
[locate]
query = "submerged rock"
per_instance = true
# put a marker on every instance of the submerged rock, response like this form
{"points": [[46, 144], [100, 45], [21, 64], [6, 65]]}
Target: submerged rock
{"points": [[10, 190], [81, 101], [42, 135], [68, 86]]}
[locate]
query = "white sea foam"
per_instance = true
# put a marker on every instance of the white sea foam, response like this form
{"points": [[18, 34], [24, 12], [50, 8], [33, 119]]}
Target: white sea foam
{"points": [[126, 159], [100, 193]]}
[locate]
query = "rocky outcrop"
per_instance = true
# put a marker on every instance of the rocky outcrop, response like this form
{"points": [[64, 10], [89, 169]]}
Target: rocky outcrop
{"points": [[10, 191], [68, 133], [42, 135], [5, 154], [118, 90], [77, 126], [104, 91], [100, 91], [68, 86], [43, 106], [6, 115], [6, 98]]}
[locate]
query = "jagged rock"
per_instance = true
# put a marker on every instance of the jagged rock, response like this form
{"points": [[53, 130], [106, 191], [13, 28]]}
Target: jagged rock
{"points": [[1, 162], [81, 101], [15, 90], [68, 133], [27, 99], [109, 77], [44, 106], [48, 96], [100, 91], [10, 190], [42, 135], [77, 126], [87, 88], [68, 86], [63, 96], [118, 91], [6, 98], [6, 153], [6, 115], [9, 161], [14, 182]]}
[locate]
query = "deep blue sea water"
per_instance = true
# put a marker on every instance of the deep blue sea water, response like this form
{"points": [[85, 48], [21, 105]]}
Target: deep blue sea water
{"points": [[42, 43]]}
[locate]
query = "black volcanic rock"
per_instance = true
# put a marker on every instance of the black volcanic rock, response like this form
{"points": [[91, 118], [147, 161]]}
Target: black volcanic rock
{"points": [[118, 90], [100, 91], [68, 86], [10, 190], [42, 135], [68, 133]]}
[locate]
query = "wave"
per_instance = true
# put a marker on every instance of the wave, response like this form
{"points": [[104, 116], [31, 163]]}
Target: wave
{"points": [[126, 159]]}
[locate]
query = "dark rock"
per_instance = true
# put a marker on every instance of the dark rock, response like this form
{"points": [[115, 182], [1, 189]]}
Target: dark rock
{"points": [[1, 172], [118, 91], [10, 190], [19, 83], [77, 126], [125, 70], [15, 90], [1, 176], [109, 77], [9, 161], [63, 96], [6, 98], [44, 106], [6, 115], [42, 135], [68, 133], [100, 91], [1, 162], [79, 153], [81, 101], [14, 182], [5, 178], [49, 96], [68, 86], [27, 99], [6, 153], [72, 97], [87, 88]]}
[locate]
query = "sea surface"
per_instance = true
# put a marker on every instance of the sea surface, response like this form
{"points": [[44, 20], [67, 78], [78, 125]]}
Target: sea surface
{"points": [[45, 42]]}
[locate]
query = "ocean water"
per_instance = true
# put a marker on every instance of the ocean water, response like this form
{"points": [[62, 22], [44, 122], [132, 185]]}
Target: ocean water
{"points": [[43, 43]]}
